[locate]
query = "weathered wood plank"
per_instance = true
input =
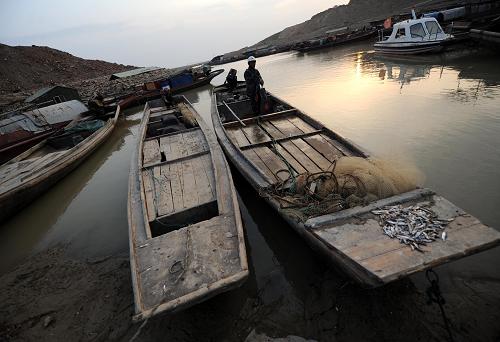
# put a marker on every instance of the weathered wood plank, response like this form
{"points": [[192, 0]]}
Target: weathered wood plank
{"points": [[190, 192], [362, 241], [271, 130], [255, 159], [301, 124], [239, 137], [256, 134], [151, 152], [345, 151], [261, 118], [183, 261], [298, 168], [174, 174], [404, 261], [299, 155], [147, 180], [323, 163], [272, 161], [176, 147], [319, 143], [163, 190], [194, 142], [286, 127], [205, 179]]}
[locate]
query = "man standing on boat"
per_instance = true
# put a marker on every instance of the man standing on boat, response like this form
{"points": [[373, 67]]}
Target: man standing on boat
{"points": [[253, 81]]}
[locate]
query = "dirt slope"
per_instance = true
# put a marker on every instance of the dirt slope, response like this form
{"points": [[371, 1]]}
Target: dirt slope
{"points": [[25, 68]]}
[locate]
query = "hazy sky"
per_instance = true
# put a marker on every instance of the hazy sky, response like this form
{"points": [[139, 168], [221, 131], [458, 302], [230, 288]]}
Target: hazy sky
{"points": [[152, 32]]}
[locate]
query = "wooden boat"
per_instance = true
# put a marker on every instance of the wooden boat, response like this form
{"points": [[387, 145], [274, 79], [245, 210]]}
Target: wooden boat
{"points": [[341, 39], [185, 230], [152, 90], [27, 176], [23, 129], [352, 239]]}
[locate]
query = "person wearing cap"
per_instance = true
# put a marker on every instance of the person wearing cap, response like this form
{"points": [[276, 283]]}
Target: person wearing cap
{"points": [[253, 81]]}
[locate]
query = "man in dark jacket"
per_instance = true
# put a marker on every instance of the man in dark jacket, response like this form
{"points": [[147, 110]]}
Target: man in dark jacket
{"points": [[253, 81]]}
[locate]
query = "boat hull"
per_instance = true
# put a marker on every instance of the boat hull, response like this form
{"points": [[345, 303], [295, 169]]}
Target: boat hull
{"points": [[199, 242], [351, 239], [361, 37], [31, 187], [408, 49]]}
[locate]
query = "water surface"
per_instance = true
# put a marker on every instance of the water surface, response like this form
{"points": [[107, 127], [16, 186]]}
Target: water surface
{"points": [[440, 114]]}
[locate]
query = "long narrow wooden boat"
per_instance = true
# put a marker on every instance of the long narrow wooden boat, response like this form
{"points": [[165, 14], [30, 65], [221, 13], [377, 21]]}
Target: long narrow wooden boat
{"points": [[355, 37], [352, 238], [23, 129], [36, 170], [185, 230], [152, 90]]}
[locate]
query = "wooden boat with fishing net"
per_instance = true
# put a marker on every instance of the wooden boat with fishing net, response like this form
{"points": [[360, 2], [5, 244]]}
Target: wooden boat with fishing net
{"points": [[328, 190], [185, 230], [36, 170]]}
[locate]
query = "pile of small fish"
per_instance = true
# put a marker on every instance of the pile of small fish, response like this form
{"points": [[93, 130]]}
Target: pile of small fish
{"points": [[415, 226]]}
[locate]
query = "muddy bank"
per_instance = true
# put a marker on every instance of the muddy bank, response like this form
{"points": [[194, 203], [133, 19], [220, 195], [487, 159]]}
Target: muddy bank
{"points": [[54, 297]]}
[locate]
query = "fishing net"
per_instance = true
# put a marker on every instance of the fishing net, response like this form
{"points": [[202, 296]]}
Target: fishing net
{"points": [[90, 125], [187, 115], [349, 182]]}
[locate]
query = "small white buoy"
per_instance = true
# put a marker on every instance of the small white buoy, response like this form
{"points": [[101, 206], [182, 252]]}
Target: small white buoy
{"points": [[444, 236]]}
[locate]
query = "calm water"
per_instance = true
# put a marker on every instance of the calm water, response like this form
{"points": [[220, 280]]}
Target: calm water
{"points": [[440, 114]]}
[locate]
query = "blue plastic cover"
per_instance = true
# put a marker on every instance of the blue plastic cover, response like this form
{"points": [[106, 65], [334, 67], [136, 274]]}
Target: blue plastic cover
{"points": [[181, 80]]}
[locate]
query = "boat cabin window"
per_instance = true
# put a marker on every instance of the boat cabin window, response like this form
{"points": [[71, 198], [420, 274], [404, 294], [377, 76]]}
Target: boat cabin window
{"points": [[417, 31], [400, 33], [433, 27]]}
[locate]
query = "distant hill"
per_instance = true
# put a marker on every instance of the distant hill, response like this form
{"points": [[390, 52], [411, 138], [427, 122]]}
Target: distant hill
{"points": [[29, 67], [355, 14]]}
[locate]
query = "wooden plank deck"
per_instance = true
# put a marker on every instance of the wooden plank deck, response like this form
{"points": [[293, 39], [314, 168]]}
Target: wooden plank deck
{"points": [[312, 153], [177, 186], [187, 242], [177, 264], [151, 152], [13, 174], [362, 241]]}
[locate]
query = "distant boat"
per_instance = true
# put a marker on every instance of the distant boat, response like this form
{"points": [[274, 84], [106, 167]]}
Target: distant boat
{"points": [[33, 172], [284, 150], [414, 36], [190, 79], [334, 41], [185, 230], [20, 130]]}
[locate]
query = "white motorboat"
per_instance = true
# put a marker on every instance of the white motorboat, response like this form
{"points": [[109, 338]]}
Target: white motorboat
{"points": [[414, 36]]}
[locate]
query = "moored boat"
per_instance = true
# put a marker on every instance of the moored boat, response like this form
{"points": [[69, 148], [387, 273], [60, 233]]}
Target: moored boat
{"points": [[288, 158], [33, 172], [20, 130], [414, 36], [335, 41], [185, 230], [177, 84]]}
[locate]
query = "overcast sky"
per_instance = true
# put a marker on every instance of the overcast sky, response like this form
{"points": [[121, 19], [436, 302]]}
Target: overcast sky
{"points": [[153, 32]]}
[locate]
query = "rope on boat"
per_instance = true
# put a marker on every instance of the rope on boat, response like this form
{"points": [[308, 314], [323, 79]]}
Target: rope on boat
{"points": [[434, 296], [298, 190]]}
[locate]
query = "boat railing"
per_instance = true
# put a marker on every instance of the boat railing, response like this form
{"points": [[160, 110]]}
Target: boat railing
{"points": [[381, 36]]}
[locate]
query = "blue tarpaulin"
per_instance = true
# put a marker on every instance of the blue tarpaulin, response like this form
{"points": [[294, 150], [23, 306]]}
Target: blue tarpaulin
{"points": [[181, 80]]}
